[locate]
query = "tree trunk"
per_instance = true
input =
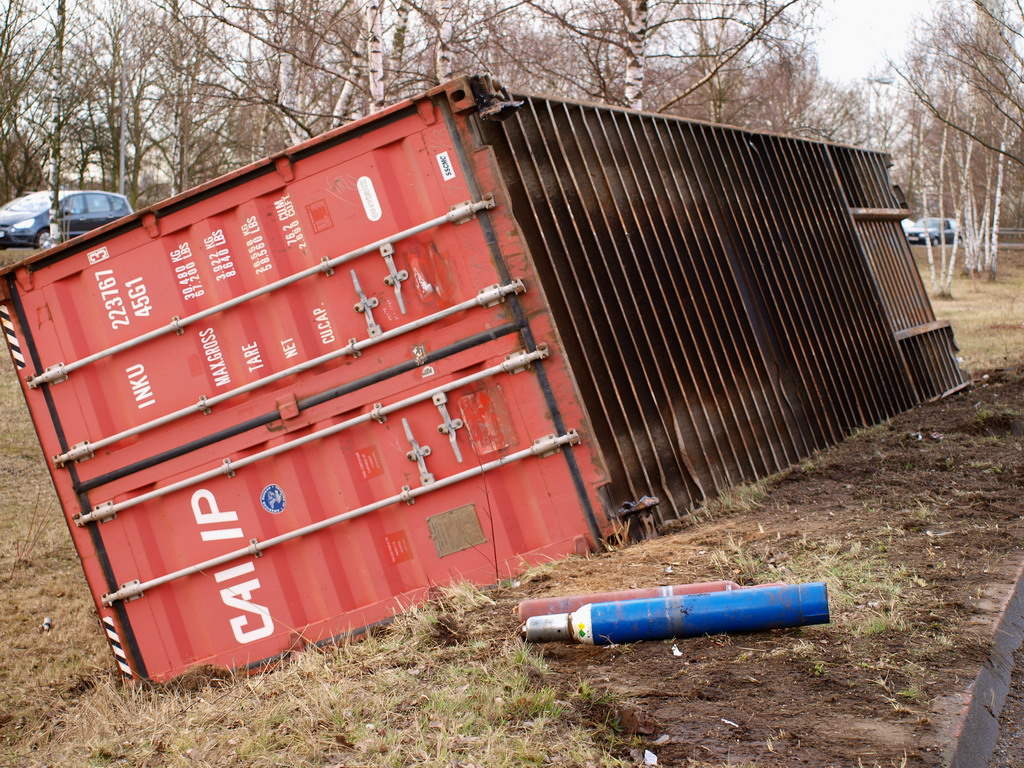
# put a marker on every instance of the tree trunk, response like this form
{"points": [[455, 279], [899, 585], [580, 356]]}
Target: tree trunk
{"points": [[375, 53], [399, 38], [982, 232], [636, 57], [991, 263], [940, 287], [443, 54], [959, 209], [924, 202], [343, 111], [57, 122]]}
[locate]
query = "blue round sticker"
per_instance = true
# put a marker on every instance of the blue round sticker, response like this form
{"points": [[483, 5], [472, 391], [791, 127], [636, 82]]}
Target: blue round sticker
{"points": [[272, 499]]}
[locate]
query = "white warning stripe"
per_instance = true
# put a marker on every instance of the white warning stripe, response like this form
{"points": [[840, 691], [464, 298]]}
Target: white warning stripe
{"points": [[12, 338], [115, 645]]}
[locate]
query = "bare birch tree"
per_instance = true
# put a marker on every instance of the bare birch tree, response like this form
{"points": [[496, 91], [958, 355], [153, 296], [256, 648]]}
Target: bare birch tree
{"points": [[56, 124], [636, 51], [985, 46], [443, 51], [375, 53]]}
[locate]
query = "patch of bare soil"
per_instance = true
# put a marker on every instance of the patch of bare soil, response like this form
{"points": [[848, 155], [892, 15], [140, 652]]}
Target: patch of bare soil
{"points": [[916, 525]]}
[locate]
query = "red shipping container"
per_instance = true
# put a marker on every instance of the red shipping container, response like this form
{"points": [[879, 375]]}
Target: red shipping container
{"points": [[288, 403], [442, 343]]}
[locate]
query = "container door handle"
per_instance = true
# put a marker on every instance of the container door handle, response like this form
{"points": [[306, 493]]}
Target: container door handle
{"points": [[450, 425], [365, 307], [395, 276], [418, 454]]}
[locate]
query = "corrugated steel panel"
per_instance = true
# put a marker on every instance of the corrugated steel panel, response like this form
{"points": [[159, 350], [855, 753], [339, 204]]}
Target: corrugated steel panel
{"points": [[927, 345], [433, 345], [711, 290]]}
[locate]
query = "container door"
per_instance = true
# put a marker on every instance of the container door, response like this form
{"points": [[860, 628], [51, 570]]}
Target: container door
{"points": [[287, 404]]}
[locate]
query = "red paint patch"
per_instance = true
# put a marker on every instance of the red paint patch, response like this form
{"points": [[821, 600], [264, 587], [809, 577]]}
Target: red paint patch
{"points": [[368, 461], [486, 416], [398, 547], [319, 216]]}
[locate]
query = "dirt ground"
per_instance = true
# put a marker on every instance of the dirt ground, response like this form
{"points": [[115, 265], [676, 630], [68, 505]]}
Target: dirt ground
{"points": [[914, 525]]}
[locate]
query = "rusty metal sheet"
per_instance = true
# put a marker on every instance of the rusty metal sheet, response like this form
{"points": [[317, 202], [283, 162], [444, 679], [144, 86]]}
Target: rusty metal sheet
{"points": [[711, 289], [926, 345]]}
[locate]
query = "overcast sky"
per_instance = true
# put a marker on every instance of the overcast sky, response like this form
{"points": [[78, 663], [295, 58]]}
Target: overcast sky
{"points": [[859, 33]]}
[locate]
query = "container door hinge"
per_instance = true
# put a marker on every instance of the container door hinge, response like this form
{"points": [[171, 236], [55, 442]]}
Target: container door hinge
{"points": [[520, 361], [78, 452], [131, 590], [365, 307], [550, 444], [450, 425], [463, 212], [395, 276], [55, 374], [99, 514], [495, 294], [418, 454]]}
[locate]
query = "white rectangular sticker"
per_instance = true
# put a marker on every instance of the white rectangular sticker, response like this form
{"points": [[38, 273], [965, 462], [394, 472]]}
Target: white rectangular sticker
{"points": [[445, 163], [369, 197]]}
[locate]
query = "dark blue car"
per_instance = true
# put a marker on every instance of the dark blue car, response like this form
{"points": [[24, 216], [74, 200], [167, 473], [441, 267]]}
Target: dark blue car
{"points": [[25, 222], [933, 230]]}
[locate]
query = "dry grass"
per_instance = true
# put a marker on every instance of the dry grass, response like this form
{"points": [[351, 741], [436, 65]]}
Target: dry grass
{"points": [[987, 316], [864, 588], [40, 578], [430, 690]]}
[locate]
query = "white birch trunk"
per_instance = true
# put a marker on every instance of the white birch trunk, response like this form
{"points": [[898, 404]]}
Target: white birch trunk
{"points": [[982, 242], [972, 227], [922, 187], [343, 111], [375, 53], [636, 54], [288, 88], [992, 260], [939, 287], [443, 66], [959, 211]]}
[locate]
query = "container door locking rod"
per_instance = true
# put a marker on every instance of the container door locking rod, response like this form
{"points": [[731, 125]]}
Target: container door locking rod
{"points": [[486, 297], [59, 372], [544, 446], [514, 362]]}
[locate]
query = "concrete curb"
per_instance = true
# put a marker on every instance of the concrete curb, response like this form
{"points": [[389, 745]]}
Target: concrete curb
{"points": [[974, 739]]}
